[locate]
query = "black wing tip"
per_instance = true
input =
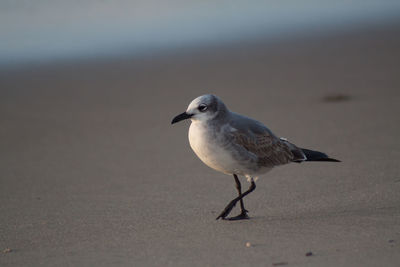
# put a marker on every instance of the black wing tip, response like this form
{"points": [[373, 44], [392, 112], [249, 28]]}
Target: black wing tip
{"points": [[313, 155], [328, 159], [323, 159]]}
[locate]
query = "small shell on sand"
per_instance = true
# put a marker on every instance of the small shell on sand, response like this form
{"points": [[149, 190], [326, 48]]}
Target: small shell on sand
{"points": [[7, 250]]}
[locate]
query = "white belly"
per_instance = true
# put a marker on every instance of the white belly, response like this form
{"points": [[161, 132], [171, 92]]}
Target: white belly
{"points": [[208, 150]]}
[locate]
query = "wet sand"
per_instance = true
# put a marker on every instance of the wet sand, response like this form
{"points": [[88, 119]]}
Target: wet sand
{"points": [[93, 174]]}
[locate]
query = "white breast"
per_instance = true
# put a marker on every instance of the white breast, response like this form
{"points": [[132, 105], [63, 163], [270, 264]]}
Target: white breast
{"points": [[209, 151]]}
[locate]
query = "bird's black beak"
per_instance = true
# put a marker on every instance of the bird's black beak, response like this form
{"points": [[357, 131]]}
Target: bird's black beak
{"points": [[180, 117]]}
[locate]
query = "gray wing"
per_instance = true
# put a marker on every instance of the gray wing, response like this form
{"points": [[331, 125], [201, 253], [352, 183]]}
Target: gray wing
{"points": [[259, 140]]}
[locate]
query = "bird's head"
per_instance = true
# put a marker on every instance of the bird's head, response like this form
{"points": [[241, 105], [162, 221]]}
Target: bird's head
{"points": [[202, 108]]}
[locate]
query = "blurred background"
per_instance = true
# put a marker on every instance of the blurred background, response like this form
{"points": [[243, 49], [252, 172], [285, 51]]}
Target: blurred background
{"points": [[92, 172], [43, 31]]}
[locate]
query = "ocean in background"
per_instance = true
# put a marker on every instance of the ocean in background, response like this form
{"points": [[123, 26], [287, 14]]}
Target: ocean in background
{"points": [[43, 30]]}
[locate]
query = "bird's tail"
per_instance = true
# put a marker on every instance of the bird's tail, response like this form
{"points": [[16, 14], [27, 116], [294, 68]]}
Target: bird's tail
{"points": [[317, 156]]}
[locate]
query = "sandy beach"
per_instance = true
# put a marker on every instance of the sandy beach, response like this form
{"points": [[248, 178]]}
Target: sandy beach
{"points": [[93, 174]]}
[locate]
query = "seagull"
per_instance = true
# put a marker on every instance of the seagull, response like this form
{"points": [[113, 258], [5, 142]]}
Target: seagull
{"points": [[237, 145]]}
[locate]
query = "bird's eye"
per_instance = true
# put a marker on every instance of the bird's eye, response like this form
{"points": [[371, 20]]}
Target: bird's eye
{"points": [[202, 107]]}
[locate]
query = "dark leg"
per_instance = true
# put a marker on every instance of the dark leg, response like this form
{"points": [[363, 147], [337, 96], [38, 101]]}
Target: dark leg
{"points": [[243, 211], [232, 204]]}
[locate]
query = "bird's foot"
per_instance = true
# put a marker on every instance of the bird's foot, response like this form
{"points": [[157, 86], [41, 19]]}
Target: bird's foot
{"points": [[242, 216], [227, 210]]}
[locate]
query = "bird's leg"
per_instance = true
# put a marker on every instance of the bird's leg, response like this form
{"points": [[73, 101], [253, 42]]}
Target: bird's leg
{"points": [[243, 211], [232, 204]]}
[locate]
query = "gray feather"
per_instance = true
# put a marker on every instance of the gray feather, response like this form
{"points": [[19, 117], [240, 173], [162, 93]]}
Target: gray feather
{"points": [[257, 139]]}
